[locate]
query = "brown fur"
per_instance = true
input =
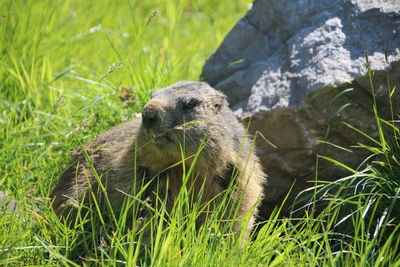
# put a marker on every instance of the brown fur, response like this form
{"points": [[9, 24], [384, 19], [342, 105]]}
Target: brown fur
{"points": [[184, 115]]}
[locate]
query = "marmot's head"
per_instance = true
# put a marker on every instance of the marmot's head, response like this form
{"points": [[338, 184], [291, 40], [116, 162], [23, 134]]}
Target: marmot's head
{"points": [[186, 113]]}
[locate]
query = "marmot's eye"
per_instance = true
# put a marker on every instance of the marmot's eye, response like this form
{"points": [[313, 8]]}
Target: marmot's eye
{"points": [[192, 103]]}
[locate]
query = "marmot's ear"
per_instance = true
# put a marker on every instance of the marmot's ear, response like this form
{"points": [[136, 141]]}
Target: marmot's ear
{"points": [[218, 101]]}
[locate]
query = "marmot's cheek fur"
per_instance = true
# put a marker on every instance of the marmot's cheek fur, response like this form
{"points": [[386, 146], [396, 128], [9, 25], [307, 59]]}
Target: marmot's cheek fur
{"points": [[184, 116]]}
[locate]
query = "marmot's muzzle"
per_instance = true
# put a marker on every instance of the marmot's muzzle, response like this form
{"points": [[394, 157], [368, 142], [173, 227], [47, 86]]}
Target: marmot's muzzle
{"points": [[151, 114]]}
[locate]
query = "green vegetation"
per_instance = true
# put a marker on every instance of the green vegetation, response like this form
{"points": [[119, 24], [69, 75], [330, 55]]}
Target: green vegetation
{"points": [[62, 67]]}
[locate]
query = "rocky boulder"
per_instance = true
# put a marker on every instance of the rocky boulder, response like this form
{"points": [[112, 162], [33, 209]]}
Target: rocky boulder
{"points": [[298, 71]]}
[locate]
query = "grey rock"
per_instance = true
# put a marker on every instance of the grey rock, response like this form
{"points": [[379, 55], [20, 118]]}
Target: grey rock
{"points": [[281, 50], [319, 127], [296, 72]]}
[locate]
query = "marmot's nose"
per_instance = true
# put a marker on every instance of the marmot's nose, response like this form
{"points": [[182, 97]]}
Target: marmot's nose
{"points": [[150, 115]]}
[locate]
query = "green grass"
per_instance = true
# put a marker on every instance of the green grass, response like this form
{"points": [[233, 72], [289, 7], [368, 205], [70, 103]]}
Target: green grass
{"points": [[62, 66]]}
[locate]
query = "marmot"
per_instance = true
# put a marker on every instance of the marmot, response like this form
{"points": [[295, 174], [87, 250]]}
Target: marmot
{"points": [[179, 118]]}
